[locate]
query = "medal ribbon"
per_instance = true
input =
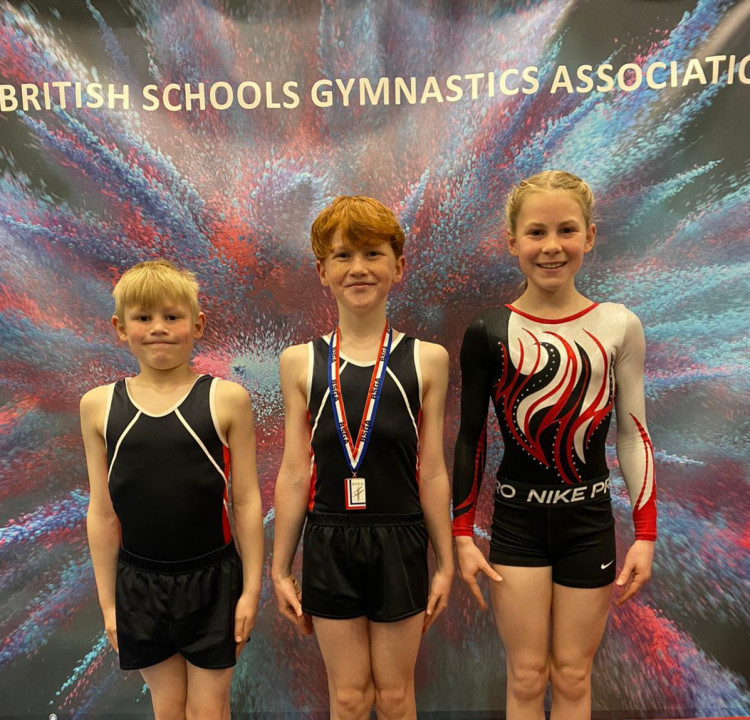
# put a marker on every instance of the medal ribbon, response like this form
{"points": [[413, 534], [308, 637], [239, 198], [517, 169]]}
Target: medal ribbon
{"points": [[355, 452]]}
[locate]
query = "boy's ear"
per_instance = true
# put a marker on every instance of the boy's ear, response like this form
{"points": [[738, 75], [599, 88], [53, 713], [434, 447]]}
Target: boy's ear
{"points": [[119, 327], [320, 268], [199, 326], [400, 267]]}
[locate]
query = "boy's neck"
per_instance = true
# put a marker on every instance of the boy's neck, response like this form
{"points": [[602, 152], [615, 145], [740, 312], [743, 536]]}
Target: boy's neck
{"points": [[360, 335], [551, 305], [165, 379]]}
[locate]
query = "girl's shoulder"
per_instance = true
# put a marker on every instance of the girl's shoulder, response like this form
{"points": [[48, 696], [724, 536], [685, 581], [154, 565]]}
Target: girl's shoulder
{"points": [[615, 312]]}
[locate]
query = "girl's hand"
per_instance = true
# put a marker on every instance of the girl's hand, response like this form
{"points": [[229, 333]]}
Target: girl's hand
{"points": [[289, 599], [470, 562], [636, 571], [440, 588]]}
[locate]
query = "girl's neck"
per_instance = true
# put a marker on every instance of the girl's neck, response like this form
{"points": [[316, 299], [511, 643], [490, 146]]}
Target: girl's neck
{"points": [[360, 335], [551, 305]]}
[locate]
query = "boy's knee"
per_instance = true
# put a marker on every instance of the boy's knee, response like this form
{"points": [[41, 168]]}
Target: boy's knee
{"points": [[169, 705], [353, 703], [207, 709], [166, 711]]}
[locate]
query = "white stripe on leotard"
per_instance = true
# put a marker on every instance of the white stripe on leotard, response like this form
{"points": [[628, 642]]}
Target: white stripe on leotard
{"points": [[200, 443], [119, 442]]}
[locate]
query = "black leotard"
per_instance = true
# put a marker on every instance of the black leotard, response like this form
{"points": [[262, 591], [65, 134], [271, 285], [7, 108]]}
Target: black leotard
{"points": [[168, 474], [390, 466]]}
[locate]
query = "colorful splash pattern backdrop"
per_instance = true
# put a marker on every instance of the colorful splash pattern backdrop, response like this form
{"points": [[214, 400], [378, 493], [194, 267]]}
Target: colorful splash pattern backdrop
{"points": [[85, 193]]}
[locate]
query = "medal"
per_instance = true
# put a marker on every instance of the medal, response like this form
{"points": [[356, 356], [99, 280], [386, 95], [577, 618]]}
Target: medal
{"points": [[354, 486]]}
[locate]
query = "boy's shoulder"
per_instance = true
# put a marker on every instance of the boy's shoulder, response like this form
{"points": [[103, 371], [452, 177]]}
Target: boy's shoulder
{"points": [[230, 394], [96, 397], [432, 352], [294, 353]]}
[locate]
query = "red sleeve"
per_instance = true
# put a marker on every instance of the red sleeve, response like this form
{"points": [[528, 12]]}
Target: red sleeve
{"points": [[635, 452]]}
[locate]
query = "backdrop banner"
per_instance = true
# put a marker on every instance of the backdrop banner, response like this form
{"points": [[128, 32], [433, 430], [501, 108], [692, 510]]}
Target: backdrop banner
{"points": [[211, 133]]}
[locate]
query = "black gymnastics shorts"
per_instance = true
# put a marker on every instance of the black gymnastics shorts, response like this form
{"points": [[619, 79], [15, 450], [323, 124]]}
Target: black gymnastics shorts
{"points": [[186, 607], [356, 565], [570, 528]]}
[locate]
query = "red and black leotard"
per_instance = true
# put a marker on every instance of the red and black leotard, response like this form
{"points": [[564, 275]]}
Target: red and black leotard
{"points": [[553, 384]]}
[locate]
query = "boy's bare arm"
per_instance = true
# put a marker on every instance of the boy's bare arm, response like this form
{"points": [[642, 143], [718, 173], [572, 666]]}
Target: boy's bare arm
{"points": [[236, 414], [434, 487], [102, 525], [292, 485]]}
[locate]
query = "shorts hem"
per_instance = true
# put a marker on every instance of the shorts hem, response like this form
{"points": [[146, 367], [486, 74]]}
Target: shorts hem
{"points": [[583, 584], [325, 616], [142, 665], [404, 616], [145, 665], [220, 666], [522, 562]]}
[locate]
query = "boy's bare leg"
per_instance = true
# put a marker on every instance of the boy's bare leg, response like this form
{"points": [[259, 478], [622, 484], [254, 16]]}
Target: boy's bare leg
{"points": [[345, 647], [393, 648], [167, 682], [208, 693]]}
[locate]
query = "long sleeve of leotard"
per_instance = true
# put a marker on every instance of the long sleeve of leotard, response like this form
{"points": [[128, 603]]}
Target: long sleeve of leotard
{"points": [[634, 450], [471, 445]]}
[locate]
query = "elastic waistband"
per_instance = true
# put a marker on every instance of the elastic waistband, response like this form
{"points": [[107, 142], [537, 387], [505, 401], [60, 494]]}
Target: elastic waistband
{"points": [[363, 519], [519, 493], [178, 566]]}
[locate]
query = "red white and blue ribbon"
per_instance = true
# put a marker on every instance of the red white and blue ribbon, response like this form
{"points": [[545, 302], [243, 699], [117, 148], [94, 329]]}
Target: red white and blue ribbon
{"points": [[355, 451]]}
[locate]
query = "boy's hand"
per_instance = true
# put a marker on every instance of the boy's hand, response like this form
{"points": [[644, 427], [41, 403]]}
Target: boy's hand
{"points": [[470, 562], [110, 626], [437, 602], [245, 614], [289, 597]]}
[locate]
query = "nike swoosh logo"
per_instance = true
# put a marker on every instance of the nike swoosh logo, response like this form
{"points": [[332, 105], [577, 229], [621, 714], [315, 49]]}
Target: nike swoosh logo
{"points": [[604, 567]]}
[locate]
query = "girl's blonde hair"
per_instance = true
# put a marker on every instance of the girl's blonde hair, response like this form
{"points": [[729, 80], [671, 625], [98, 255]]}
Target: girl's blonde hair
{"points": [[155, 282], [544, 182]]}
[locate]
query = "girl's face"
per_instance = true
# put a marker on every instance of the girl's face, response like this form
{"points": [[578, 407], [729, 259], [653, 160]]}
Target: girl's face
{"points": [[550, 239]]}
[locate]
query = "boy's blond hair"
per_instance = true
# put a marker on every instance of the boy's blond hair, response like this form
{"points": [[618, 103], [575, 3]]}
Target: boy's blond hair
{"points": [[153, 283], [362, 221]]}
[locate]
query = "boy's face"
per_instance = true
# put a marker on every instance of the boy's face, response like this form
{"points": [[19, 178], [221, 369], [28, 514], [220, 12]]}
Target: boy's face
{"points": [[360, 276], [160, 337]]}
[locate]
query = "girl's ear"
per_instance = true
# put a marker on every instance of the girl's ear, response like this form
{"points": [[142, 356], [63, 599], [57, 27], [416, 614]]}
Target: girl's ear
{"points": [[590, 235], [512, 245]]}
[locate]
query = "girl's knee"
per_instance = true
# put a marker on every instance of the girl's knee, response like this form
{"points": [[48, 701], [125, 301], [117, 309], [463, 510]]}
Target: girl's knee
{"points": [[570, 681], [528, 681], [395, 701]]}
